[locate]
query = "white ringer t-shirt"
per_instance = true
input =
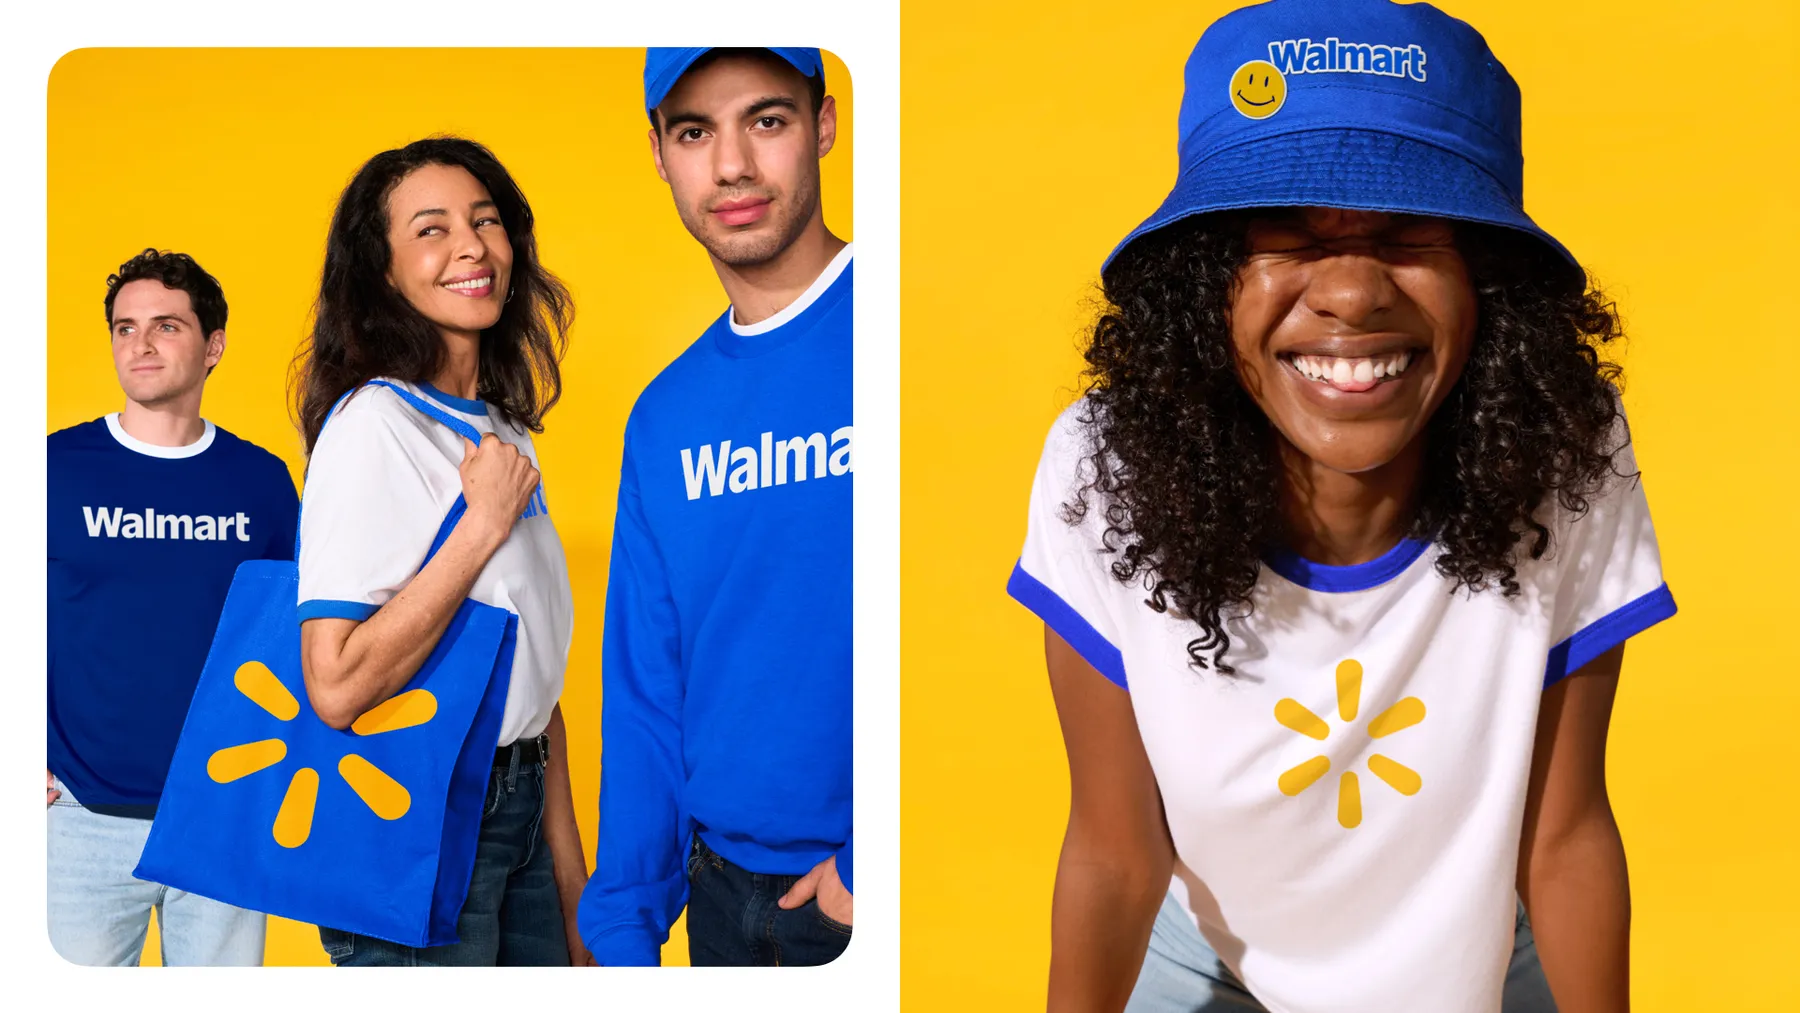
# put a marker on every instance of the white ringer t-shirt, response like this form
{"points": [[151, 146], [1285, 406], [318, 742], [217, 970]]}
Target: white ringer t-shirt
{"points": [[381, 478], [1346, 809]]}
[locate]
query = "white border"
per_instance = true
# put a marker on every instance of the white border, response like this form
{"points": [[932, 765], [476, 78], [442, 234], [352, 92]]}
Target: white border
{"points": [[865, 35]]}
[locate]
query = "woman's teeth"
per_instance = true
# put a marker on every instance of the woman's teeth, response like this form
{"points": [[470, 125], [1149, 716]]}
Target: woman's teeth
{"points": [[471, 284], [1361, 372]]}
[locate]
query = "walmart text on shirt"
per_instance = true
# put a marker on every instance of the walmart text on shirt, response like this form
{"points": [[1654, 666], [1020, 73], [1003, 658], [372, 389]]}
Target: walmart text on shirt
{"points": [[116, 523], [776, 461]]}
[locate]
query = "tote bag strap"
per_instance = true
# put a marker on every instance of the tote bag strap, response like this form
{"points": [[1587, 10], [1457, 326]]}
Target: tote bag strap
{"points": [[458, 426]]}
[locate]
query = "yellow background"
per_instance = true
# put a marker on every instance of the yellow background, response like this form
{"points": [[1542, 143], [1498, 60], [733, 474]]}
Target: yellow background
{"points": [[1660, 144], [237, 156]]}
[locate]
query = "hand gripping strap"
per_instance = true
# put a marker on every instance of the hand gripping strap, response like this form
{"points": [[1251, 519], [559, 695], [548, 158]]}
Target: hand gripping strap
{"points": [[458, 426]]}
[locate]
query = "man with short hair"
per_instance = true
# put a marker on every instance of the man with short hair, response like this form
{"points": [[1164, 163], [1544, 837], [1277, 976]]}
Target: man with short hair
{"points": [[726, 777], [150, 511]]}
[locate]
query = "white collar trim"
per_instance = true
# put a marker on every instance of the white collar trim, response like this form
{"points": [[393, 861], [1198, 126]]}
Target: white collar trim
{"points": [[132, 443], [798, 306]]}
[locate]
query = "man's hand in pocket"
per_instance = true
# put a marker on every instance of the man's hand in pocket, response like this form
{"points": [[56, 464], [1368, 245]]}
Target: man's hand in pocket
{"points": [[822, 882]]}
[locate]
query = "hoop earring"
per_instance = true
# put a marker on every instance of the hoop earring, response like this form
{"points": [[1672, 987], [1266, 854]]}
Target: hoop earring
{"points": [[509, 295]]}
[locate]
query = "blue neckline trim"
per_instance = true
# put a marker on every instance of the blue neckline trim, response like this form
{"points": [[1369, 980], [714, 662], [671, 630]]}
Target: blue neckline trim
{"points": [[1356, 577], [461, 404]]}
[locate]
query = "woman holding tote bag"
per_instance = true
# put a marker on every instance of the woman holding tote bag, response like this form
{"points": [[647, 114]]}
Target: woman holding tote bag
{"points": [[434, 318]]}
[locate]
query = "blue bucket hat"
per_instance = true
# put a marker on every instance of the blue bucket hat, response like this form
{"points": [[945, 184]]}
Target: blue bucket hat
{"points": [[664, 67], [1361, 104]]}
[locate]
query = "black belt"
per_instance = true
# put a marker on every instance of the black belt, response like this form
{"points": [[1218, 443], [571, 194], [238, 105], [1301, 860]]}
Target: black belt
{"points": [[529, 751]]}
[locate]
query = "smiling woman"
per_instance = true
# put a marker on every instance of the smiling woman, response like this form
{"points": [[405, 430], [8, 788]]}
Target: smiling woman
{"points": [[1465, 307], [414, 221], [437, 327], [1348, 437], [449, 261]]}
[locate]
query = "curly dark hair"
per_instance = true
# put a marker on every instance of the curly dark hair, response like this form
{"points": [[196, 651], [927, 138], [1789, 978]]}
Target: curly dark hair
{"points": [[363, 328], [1185, 464], [177, 271]]}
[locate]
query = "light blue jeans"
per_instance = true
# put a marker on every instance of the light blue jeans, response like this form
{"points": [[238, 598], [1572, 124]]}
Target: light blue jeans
{"points": [[100, 913], [1182, 974]]}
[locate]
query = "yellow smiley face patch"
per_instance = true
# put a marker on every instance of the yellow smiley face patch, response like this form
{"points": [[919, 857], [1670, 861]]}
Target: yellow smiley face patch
{"points": [[1258, 89]]}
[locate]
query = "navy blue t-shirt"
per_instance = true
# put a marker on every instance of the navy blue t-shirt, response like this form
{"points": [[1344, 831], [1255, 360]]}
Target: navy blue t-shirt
{"points": [[143, 543]]}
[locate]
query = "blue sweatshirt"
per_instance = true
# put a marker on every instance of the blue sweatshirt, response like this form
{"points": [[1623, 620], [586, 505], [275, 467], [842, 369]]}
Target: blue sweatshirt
{"points": [[727, 665], [143, 542]]}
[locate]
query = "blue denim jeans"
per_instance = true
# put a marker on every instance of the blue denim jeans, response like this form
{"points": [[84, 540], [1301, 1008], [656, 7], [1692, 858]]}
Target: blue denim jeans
{"points": [[1182, 974], [513, 915], [100, 912], [733, 920]]}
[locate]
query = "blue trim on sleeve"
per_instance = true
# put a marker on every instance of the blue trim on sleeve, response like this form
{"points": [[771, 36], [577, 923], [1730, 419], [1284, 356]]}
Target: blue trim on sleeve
{"points": [[1356, 577], [1060, 616], [328, 608], [1608, 632]]}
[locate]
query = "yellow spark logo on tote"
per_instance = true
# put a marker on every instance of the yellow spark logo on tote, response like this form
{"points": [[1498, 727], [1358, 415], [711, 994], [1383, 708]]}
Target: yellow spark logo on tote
{"points": [[1398, 776], [384, 796]]}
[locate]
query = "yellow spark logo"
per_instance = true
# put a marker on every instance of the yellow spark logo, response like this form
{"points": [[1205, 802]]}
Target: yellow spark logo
{"points": [[1398, 776], [384, 796]]}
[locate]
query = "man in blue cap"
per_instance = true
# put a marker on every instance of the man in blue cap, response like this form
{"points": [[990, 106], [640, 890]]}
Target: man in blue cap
{"points": [[726, 774], [1338, 555]]}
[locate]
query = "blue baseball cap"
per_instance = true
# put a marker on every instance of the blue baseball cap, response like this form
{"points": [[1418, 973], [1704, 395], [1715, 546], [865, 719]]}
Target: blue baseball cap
{"points": [[1361, 104], [664, 67]]}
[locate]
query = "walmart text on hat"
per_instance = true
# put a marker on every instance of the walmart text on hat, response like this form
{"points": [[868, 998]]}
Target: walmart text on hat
{"points": [[1304, 56]]}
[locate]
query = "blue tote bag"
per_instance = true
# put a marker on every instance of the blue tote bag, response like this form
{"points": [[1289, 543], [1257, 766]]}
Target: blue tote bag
{"points": [[371, 829]]}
